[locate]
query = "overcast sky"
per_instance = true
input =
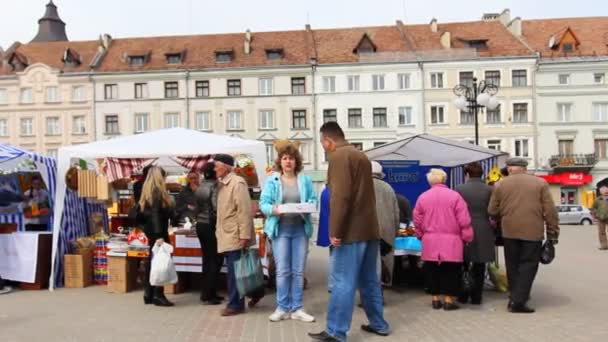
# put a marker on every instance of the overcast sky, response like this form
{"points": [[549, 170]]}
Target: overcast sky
{"points": [[86, 19]]}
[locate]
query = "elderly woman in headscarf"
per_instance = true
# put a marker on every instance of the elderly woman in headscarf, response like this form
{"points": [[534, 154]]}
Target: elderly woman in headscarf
{"points": [[388, 220]]}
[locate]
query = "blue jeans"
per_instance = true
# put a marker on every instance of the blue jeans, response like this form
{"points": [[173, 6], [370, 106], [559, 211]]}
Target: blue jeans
{"points": [[234, 300], [290, 250], [355, 266]]}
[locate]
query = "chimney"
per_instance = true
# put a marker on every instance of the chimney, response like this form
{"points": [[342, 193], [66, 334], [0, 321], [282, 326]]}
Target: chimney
{"points": [[105, 40], [446, 40], [515, 27], [434, 25], [50, 27], [505, 17], [247, 42]]}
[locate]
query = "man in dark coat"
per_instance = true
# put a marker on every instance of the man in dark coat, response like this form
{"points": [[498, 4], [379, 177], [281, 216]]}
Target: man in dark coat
{"points": [[481, 250]]}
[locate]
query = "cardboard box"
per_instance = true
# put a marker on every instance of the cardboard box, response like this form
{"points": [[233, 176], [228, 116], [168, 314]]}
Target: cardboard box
{"points": [[298, 208], [122, 274], [178, 287], [78, 270]]}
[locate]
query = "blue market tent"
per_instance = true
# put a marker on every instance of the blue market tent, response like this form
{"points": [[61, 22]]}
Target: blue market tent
{"points": [[406, 161]]}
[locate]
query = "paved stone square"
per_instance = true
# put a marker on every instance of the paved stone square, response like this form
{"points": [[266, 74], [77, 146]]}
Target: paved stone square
{"points": [[571, 298]]}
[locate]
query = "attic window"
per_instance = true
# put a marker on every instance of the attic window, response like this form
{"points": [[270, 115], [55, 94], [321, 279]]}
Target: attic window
{"points": [[174, 58], [365, 45], [478, 44], [274, 54], [71, 58], [137, 60], [18, 62], [224, 56], [568, 47]]}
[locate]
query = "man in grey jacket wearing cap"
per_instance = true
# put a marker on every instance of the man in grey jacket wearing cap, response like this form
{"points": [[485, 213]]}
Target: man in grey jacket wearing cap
{"points": [[525, 206]]}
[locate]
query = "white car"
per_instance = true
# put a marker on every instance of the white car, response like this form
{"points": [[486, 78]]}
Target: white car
{"points": [[574, 214]]}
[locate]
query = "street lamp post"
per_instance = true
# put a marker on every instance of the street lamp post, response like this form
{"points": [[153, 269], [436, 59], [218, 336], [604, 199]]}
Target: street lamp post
{"points": [[475, 97]]}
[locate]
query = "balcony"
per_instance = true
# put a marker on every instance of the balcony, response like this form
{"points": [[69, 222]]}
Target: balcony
{"points": [[572, 162]]}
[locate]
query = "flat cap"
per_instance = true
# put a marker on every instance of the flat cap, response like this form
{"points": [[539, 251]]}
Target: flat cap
{"points": [[224, 158], [516, 161]]}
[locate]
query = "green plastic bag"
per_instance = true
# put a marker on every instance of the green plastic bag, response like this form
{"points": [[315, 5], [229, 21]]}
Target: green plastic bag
{"points": [[249, 274], [498, 278]]}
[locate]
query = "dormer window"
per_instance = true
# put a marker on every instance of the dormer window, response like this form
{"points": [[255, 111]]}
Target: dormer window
{"points": [[478, 44], [568, 47], [17, 62], [564, 40], [137, 60], [70, 58], [365, 46], [175, 57], [224, 56], [274, 54]]}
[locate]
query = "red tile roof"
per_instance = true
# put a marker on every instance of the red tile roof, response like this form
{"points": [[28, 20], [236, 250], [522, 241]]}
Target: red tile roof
{"points": [[591, 32]]}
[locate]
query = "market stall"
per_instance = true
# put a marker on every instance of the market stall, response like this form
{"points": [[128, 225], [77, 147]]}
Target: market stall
{"points": [[125, 154]]}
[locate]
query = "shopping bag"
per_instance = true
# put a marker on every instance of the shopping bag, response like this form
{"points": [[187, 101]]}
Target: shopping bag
{"points": [[162, 269], [249, 274], [467, 279], [498, 278]]}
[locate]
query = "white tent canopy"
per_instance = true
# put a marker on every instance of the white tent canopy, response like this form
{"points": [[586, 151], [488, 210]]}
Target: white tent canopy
{"points": [[433, 150], [162, 143]]}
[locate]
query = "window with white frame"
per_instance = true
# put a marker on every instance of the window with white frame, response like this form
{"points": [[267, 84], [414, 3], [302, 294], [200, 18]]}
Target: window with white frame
{"points": [[404, 81], [355, 118], [52, 152], [53, 126], [380, 117], [493, 116], [79, 125], [142, 122], [521, 148], [330, 115], [519, 78], [202, 88], [266, 86], [405, 116], [270, 154], [599, 78], [172, 120], [266, 119], [171, 90], [564, 112], [3, 127], [234, 87], [52, 94], [494, 144], [78, 94], [298, 119], [141, 90], [235, 120], [329, 84], [600, 111], [27, 127], [467, 117], [304, 152], [353, 82], [3, 96], [436, 80], [601, 148], [27, 96], [378, 82], [437, 115], [520, 113], [564, 79], [493, 77], [110, 91], [203, 121]]}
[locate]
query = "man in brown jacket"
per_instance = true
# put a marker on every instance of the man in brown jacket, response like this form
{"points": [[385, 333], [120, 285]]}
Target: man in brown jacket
{"points": [[234, 230], [354, 234], [525, 206]]}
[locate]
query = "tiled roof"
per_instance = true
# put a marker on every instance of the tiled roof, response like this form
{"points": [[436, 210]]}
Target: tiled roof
{"points": [[51, 54], [591, 32], [200, 51]]}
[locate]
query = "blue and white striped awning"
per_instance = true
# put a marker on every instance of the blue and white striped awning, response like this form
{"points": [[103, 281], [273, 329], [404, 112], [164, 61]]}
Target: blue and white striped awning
{"points": [[10, 153]]}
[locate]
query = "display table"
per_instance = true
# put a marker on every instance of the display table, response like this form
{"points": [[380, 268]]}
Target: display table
{"points": [[26, 257], [407, 245], [187, 252]]}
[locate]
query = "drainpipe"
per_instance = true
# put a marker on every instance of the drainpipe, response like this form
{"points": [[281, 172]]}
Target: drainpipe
{"points": [[187, 99], [313, 70], [423, 96], [536, 121], [92, 80]]}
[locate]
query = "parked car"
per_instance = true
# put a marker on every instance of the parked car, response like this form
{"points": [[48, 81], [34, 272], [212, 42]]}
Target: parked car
{"points": [[574, 214]]}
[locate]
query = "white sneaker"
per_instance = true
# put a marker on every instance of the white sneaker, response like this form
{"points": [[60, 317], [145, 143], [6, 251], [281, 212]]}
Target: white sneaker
{"points": [[278, 315], [301, 315], [5, 289]]}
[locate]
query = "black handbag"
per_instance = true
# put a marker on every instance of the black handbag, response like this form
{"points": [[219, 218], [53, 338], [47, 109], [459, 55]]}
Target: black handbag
{"points": [[467, 280], [548, 253]]}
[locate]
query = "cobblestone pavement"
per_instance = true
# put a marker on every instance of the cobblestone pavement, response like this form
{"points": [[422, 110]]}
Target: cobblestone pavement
{"points": [[570, 296]]}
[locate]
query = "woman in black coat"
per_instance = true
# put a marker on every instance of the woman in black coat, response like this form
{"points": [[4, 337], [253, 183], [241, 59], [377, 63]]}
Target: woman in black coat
{"points": [[156, 209]]}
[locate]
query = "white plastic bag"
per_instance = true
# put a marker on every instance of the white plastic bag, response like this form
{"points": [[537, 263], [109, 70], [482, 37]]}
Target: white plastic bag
{"points": [[162, 270]]}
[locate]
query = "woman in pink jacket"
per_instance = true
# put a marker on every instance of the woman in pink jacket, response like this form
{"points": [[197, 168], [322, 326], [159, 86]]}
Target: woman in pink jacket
{"points": [[443, 224]]}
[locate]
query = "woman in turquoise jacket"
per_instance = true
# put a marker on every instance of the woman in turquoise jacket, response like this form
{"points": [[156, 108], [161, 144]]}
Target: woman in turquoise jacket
{"points": [[289, 232]]}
